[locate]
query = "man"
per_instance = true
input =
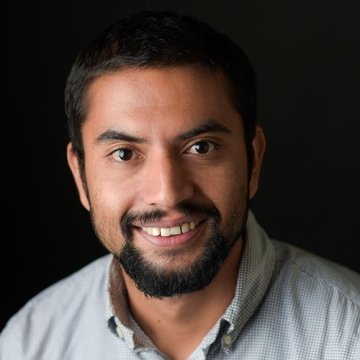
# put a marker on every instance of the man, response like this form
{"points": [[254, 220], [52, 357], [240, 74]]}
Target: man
{"points": [[166, 154]]}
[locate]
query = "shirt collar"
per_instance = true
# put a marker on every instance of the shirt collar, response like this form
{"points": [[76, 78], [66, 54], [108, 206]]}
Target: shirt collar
{"points": [[255, 271]]}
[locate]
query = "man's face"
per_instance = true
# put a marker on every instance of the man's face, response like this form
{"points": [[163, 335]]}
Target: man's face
{"points": [[165, 175]]}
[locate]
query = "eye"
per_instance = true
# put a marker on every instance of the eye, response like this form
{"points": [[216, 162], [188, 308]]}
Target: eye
{"points": [[123, 154], [202, 148]]}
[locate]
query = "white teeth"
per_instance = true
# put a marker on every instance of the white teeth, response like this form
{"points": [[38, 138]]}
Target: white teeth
{"points": [[185, 228], [165, 231], [155, 231], [175, 230]]}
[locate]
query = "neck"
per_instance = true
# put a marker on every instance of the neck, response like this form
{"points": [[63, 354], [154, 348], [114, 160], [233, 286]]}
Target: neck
{"points": [[177, 325]]}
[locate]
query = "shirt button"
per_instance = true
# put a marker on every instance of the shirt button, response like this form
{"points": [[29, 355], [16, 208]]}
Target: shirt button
{"points": [[227, 340]]}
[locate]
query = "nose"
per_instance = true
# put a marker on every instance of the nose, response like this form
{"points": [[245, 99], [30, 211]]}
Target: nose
{"points": [[166, 183]]}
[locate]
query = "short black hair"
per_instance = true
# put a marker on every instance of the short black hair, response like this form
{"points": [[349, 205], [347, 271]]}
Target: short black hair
{"points": [[155, 39]]}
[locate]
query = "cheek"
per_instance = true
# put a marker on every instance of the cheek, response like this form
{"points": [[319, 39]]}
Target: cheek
{"points": [[106, 222], [229, 192], [109, 201], [108, 191]]}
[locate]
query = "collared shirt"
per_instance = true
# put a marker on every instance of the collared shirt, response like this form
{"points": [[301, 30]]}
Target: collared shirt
{"points": [[288, 304]]}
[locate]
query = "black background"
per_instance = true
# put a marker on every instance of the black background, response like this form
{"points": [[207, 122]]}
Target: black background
{"points": [[307, 57]]}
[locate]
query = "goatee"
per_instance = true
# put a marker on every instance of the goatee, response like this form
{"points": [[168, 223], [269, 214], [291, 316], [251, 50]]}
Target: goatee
{"points": [[157, 282]]}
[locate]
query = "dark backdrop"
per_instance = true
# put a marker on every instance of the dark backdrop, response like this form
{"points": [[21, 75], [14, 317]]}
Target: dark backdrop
{"points": [[307, 57]]}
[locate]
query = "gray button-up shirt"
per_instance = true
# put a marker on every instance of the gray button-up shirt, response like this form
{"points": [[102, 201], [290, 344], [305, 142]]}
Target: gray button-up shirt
{"points": [[288, 305]]}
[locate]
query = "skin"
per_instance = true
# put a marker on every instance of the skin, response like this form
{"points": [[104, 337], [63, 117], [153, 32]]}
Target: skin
{"points": [[167, 163]]}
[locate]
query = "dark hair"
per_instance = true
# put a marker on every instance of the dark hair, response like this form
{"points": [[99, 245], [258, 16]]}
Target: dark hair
{"points": [[160, 39]]}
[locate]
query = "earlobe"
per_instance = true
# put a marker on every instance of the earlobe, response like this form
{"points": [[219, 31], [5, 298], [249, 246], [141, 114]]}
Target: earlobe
{"points": [[258, 145], [73, 163]]}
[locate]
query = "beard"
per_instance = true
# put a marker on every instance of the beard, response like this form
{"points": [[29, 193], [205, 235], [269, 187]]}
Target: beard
{"points": [[158, 282]]}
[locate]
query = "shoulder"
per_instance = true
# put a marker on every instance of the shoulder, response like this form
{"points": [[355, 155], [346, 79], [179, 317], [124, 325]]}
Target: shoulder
{"points": [[58, 309], [311, 308], [70, 289], [309, 268], [319, 300], [293, 265]]}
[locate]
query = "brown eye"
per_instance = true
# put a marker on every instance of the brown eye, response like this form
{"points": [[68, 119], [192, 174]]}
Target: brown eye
{"points": [[202, 147], [123, 154]]}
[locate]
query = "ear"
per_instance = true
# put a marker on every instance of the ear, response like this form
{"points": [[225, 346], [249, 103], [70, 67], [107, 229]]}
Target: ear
{"points": [[258, 145], [73, 162]]}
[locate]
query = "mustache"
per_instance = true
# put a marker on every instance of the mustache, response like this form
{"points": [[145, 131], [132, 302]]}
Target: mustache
{"points": [[189, 209]]}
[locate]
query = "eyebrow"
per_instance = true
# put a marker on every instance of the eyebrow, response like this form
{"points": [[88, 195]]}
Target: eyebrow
{"points": [[207, 126], [114, 135]]}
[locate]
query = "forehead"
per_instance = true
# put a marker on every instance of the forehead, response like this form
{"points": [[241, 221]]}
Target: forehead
{"points": [[158, 97]]}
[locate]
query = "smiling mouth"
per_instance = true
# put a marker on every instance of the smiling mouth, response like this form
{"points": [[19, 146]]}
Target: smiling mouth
{"points": [[171, 231]]}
